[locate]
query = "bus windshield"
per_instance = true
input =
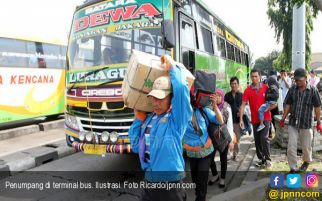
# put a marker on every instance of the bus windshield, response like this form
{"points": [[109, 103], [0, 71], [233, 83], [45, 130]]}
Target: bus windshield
{"points": [[105, 33], [114, 48]]}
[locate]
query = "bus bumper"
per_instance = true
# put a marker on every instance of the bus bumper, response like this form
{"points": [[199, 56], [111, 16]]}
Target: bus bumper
{"points": [[110, 148]]}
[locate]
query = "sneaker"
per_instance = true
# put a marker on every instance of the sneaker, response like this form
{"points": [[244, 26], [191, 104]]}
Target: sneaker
{"points": [[260, 127], [259, 164], [293, 171], [213, 180], [304, 166], [222, 183], [266, 164]]}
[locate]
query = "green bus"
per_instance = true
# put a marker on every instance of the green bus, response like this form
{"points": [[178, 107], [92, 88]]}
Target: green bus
{"points": [[102, 36]]}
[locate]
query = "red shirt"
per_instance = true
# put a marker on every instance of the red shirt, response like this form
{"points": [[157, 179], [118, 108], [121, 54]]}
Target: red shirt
{"points": [[256, 98]]}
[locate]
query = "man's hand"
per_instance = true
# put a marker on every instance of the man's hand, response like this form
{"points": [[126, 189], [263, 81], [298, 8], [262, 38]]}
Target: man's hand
{"points": [[319, 128], [241, 124], [140, 115], [167, 62], [282, 123]]}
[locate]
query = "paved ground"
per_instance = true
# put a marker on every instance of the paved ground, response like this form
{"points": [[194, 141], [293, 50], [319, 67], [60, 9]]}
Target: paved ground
{"points": [[44, 156]]}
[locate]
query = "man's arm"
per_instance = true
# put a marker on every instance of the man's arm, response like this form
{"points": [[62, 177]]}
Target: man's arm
{"points": [[241, 113], [287, 109], [181, 107], [317, 111]]}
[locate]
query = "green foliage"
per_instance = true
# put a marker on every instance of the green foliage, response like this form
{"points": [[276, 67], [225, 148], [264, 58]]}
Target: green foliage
{"points": [[280, 15], [265, 64]]}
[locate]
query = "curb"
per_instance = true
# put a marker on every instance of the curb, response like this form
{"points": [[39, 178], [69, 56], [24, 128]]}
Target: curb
{"points": [[51, 125], [15, 132], [26, 130], [30, 158], [253, 191]]}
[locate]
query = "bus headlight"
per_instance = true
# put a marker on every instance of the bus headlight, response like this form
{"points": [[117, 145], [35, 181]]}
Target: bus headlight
{"points": [[71, 122], [113, 136], [89, 136], [82, 135], [104, 136]]}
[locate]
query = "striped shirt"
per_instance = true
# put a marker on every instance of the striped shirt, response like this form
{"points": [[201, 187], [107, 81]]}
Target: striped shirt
{"points": [[302, 103], [147, 140]]}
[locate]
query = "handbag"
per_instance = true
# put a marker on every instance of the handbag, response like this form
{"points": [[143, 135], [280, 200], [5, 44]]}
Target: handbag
{"points": [[219, 135]]}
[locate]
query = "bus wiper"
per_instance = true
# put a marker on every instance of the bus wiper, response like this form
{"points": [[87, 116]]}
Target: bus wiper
{"points": [[86, 75], [111, 81]]}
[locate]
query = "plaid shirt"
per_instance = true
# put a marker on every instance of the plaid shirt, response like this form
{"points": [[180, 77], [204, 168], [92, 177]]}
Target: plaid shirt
{"points": [[302, 104]]}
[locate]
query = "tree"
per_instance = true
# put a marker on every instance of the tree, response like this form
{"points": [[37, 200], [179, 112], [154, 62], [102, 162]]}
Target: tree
{"points": [[265, 64], [280, 13]]}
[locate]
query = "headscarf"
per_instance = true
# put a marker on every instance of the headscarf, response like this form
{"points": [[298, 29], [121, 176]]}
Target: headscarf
{"points": [[221, 92]]}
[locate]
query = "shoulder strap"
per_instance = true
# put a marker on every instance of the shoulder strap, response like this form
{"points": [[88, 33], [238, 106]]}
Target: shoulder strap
{"points": [[204, 115], [195, 124]]}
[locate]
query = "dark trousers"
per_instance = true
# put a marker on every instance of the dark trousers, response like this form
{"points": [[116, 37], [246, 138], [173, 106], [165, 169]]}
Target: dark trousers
{"points": [[173, 194], [262, 142], [223, 163], [199, 168], [273, 112]]}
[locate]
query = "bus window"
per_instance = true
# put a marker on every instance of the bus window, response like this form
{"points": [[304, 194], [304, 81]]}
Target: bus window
{"points": [[205, 40], [12, 53], [237, 55], [84, 53], [52, 57], [187, 35], [221, 47], [63, 51], [145, 41], [187, 7], [202, 15], [230, 51], [116, 48], [31, 50]]}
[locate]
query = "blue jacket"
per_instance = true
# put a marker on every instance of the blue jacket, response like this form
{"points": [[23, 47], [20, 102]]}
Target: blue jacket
{"points": [[192, 138], [166, 159]]}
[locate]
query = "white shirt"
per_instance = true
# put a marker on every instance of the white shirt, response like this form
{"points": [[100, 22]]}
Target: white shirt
{"points": [[230, 126], [283, 86], [314, 81]]}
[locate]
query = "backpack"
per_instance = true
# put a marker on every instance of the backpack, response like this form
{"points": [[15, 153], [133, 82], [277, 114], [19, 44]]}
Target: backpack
{"points": [[204, 86]]}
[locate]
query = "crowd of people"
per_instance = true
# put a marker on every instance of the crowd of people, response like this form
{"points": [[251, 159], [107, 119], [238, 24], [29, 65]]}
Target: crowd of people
{"points": [[178, 122]]}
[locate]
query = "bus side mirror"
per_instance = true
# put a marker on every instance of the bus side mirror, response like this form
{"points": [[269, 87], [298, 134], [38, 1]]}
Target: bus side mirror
{"points": [[168, 38]]}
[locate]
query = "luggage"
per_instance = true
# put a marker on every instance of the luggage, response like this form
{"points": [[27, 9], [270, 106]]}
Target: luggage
{"points": [[204, 86]]}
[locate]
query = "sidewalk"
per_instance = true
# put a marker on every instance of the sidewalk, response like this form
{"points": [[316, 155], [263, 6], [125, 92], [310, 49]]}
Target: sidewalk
{"points": [[21, 143], [27, 147]]}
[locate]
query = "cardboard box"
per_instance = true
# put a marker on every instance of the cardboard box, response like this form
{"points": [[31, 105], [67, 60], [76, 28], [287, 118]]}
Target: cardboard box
{"points": [[142, 70]]}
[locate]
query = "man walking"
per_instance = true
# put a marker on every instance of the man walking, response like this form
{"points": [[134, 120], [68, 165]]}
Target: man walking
{"points": [[234, 99], [157, 138], [300, 101], [255, 95]]}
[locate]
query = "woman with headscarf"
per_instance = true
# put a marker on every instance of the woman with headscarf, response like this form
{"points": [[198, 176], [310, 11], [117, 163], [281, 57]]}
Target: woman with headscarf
{"points": [[227, 118]]}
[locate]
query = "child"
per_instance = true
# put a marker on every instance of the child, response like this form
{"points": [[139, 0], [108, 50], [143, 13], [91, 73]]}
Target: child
{"points": [[271, 97]]}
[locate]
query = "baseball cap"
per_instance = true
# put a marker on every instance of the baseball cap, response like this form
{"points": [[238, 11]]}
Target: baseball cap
{"points": [[161, 87], [299, 73]]}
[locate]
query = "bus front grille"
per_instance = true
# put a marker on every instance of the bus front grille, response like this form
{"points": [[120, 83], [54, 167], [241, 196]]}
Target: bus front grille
{"points": [[121, 126]]}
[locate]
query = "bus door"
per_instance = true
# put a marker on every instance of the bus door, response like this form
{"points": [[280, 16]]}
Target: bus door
{"points": [[187, 42]]}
